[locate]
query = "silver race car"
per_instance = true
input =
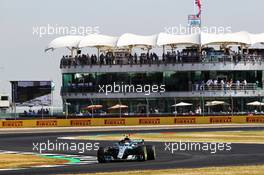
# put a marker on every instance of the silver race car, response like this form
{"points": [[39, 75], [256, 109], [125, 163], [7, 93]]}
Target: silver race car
{"points": [[126, 149]]}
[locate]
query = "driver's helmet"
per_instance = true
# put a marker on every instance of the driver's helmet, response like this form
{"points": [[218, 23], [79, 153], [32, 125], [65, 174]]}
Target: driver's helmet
{"points": [[126, 139]]}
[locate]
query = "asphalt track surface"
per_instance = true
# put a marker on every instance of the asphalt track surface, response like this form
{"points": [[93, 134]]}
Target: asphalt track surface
{"points": [[241, 154]]}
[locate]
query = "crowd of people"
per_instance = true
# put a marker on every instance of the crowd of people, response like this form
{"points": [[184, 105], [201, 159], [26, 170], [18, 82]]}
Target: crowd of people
{"points": [[41, 111], [183, 56], [109, 59], [144, 58], [214, 84]]}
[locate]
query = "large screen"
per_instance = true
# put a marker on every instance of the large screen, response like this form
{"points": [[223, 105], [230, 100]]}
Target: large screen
{"points": [[31, 93]]}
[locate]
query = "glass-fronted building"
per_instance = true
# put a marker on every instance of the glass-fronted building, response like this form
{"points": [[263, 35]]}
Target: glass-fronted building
{"points": [[196, 73]]}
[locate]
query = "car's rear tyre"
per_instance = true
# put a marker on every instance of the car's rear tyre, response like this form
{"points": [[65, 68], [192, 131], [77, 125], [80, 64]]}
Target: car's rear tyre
{"points": [[101, 155], [143, 155], [151, 151]]}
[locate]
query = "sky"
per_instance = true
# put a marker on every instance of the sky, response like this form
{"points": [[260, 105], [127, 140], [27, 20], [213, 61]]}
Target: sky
{"points": [[22, 51]]}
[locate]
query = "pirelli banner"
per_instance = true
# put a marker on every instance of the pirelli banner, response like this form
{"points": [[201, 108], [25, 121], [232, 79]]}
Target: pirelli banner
{"points": [[186, 120], [12, 124], [252, 119]]}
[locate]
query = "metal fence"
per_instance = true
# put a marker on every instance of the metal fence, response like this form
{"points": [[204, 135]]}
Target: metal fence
{"points": [[225, 87]]}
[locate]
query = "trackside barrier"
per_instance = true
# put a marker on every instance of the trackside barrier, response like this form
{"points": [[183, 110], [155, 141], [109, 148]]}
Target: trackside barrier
{"points": [[130, 121]]}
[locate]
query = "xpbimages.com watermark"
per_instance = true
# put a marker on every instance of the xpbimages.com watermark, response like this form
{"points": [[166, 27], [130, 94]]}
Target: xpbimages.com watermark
{"points": [[78, 147], [130, 88], [213, 148], [50, 29]]}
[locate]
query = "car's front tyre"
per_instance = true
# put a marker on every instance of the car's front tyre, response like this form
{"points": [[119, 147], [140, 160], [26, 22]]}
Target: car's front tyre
{"points": [[101, 155], [151, 151], [142, 152]]}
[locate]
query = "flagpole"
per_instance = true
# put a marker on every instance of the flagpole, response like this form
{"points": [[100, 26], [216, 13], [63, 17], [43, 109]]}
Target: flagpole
{"points": [[200, 27], [194, 7], [201, 16]]}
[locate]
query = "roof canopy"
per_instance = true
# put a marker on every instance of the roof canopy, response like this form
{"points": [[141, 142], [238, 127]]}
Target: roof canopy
{"points": [[169, 39], [257, 38], [129, 39], [240, 38], [96, 40], [132, 40], [64, 42]]}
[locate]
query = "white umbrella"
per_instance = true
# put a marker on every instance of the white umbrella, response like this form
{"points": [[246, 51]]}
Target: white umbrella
{"points": [[255, 103], [93, 107], [118, 106], [182, 104], [215, 103]]}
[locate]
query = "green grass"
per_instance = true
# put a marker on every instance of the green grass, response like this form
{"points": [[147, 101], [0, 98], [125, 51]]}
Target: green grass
{"points": [[8, 161], [229, 170]]}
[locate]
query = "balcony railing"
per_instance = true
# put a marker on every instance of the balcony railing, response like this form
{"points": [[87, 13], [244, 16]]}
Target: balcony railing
{"points": [[225, 87], [172, 59]]}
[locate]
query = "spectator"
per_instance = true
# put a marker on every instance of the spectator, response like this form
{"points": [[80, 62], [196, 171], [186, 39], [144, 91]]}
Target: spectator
{"points": [[237, 84], [245, 84], [222, 84]]}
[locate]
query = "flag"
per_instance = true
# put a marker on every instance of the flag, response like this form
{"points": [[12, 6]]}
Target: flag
{"points": [[199, 5]]}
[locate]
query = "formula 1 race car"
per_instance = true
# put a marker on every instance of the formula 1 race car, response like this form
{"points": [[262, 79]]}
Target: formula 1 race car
{"points": [[126, 149]]}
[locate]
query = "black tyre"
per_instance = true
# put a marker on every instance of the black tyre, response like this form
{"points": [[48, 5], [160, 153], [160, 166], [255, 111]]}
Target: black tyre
{"points": [[143, 155], [151, 151], [101, 155]]}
